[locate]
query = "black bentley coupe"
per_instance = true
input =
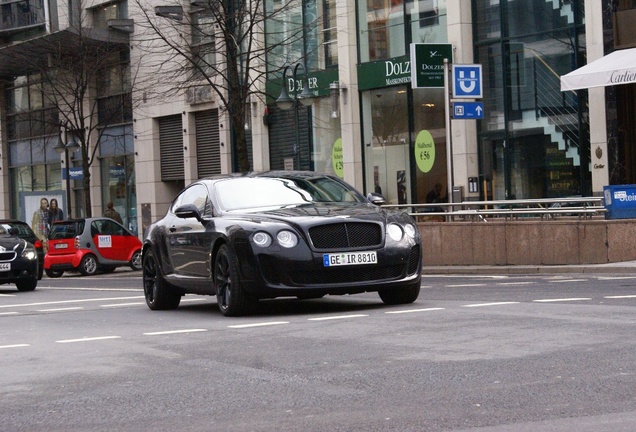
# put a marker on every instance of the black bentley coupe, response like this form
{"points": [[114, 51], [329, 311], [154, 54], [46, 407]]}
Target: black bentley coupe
{"points": [[245, 237]]}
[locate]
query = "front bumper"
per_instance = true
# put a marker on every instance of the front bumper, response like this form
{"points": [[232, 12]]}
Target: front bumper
{"points": [[21, 269]]}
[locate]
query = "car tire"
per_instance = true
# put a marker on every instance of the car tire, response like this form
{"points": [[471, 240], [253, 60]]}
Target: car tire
{"points": [[135, 261], [88, 266], [401, 295], [27, 285], [54, 273], [231, 298], [158, 293]]}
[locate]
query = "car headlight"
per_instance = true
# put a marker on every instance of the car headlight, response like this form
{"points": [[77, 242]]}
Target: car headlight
{"points": [[410, 230], [262, 239], [287, 239], [394, 231], [29, 253]]}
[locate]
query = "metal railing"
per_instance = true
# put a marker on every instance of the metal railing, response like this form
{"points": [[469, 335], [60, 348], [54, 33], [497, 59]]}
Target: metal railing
{"points": [[548, 208]]}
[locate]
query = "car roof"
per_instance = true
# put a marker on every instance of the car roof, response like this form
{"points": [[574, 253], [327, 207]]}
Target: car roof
{"points": [[271, 174], [13, 221]]}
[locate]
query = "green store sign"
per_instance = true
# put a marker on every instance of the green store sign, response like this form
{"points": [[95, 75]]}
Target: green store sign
{"points": [[384, 73], [318, 84]]}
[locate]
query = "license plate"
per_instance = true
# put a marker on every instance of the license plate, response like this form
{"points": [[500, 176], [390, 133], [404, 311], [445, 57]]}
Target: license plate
{"points": [[61, 246], [5, 266], [349, 258]]}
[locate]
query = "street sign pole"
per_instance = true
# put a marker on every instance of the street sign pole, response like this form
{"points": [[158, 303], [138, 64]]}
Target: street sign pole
{"points": [[449, 145]]}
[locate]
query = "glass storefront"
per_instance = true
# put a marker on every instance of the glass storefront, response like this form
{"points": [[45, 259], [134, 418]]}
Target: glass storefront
{"points": [[532, 139], [394, 116], [117, 164]]}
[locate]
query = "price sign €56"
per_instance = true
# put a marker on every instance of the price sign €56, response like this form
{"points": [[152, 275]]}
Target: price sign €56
{"points": [[425, 151]]}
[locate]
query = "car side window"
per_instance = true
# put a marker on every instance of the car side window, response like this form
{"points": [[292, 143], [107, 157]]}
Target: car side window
{"points": [[197, 195]]}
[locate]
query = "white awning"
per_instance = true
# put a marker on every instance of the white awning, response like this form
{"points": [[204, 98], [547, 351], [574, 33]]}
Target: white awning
{"points": [[616, 68]]}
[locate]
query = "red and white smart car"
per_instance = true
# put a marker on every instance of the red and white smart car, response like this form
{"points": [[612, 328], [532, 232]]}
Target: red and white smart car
{"points": [[90, 245]]}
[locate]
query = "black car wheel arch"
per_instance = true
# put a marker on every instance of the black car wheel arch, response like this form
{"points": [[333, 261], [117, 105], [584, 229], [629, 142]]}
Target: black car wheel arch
{"points": [[158, 293]]}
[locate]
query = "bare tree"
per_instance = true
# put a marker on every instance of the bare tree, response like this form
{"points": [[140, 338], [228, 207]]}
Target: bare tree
{"points": [[220, 45], [73, 66]]}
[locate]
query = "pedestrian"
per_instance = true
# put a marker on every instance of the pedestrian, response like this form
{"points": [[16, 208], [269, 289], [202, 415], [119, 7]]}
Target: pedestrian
{"points": [[112, 213], [55, 212], [40, 220]]}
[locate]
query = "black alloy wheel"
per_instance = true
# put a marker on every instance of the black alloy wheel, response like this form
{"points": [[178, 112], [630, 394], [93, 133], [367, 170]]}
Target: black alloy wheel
{"points": [[27, 285], [402, 295], [231, 298], [158, 293], [54, 273]]}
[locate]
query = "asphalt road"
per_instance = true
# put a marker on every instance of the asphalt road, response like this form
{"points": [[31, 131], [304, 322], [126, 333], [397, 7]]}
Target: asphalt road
{"points": [[483, 353]]}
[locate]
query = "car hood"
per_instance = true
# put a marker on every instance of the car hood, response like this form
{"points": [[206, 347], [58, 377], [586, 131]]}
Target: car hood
{"points": [[314, 212], [8, 242]]}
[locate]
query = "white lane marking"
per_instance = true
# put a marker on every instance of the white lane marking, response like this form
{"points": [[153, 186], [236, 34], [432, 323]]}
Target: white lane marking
{"points": [[14, 346], [8, 313], [7, 295], [490, 304], [193, 299], [414, 310], [562, 299], [465, 285], [60, 309], [338, 317], [443, 276], [569, 280], [88, 339], [52, 288], [70, 301], [620, 296], [123, 304], [515, 283], [242, 326], [169, 332]]}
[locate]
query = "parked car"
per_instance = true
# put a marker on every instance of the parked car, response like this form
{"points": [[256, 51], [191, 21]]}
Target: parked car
{"points": [[90, 245], [245, 237], [18, 260], [24, 231]]}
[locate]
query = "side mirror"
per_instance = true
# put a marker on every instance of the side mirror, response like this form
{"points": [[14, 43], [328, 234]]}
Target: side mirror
{"points": [[376, 199], [188, 211]]}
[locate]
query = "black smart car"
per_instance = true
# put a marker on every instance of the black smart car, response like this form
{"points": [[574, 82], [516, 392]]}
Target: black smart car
{"points": [[24, 231], [18, 260], [245, 237]]}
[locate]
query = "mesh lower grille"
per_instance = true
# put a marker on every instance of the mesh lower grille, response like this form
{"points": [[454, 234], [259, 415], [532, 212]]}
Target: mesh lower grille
{"points": [[346, 235], [346, 275], [7, 256]]}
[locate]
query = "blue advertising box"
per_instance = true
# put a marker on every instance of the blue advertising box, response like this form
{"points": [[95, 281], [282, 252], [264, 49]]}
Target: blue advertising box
{"points": [[620, 201]]}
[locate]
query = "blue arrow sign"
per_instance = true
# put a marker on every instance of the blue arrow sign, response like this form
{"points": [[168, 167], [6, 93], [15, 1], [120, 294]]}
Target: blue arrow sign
{"points": [[467, 82], [468, 110]]}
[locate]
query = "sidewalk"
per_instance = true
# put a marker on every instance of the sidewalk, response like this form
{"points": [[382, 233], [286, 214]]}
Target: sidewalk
{"points": [[626, 267]]}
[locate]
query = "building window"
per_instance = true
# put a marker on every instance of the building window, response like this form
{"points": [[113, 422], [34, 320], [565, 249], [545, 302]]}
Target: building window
{"points": [[110, 11], [114, 105], [203, 49]]}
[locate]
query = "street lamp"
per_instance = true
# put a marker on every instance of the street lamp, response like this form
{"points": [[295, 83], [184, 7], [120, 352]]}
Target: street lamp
{"points": [[285, 102], [70, 147]]}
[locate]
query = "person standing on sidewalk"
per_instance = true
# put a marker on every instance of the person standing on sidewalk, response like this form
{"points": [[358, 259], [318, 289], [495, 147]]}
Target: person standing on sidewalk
{"points": [[112, 213]]}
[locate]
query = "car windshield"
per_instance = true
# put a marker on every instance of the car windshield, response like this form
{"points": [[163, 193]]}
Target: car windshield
{"points": [[66, 230], [21, 230], [249, 193]]}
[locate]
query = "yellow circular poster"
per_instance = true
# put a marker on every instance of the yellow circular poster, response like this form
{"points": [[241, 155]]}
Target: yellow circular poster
{"points": [[424, 151], [336, 158]]}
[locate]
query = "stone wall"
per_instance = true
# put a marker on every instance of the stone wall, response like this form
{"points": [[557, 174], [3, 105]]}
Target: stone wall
{"points": [[535, 242]]}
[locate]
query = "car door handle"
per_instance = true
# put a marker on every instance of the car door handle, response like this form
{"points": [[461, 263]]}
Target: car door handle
{"points": [[172, 228]]}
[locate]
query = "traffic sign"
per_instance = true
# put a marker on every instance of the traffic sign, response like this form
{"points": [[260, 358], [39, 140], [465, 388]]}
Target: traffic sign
{"points": [[467, 82], [468, 110]]}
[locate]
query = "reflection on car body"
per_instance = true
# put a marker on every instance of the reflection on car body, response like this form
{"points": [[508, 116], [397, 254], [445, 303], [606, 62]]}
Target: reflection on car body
{"points": [[245, 237]]}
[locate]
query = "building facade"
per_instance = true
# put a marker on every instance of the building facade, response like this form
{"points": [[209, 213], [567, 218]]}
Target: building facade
{"points": [[364, 122]]}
